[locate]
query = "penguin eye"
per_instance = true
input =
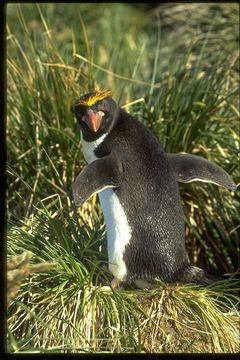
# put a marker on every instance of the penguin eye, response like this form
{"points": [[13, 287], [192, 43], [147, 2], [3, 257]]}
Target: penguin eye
{"points": [[101, 113]]}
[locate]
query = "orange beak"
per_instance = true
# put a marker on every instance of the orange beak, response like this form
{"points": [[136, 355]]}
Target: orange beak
{"points": [[93, 120]]}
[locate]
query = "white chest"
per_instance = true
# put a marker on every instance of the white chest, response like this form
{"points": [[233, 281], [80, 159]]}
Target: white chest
{"points": [[118, 229], [89, 147]]}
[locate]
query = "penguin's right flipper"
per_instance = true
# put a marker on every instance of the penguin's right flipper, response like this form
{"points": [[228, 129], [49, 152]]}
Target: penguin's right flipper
{"points": [[188, 168], [100, 174]]}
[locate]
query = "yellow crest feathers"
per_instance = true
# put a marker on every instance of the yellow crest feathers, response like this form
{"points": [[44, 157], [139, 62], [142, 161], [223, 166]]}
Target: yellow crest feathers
{"points": [[92, 99]]}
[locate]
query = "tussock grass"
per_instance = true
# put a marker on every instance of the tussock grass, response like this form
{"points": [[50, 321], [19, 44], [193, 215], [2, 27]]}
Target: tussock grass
{"points": [[67, 308], [184, 86]]}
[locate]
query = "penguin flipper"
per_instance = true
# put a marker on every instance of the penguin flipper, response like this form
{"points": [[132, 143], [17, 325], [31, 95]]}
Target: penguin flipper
{"points": [[101, 173], [188, 168]]}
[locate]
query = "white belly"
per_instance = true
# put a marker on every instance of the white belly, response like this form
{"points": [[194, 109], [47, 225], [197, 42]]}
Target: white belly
{"points": [[118, 229]]}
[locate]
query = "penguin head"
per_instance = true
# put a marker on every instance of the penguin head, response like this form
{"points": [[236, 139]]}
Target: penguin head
{"points": [[96, 113]]}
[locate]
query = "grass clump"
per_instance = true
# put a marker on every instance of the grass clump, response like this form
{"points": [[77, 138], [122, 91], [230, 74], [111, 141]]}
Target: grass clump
{"points": [[66, 308], [184, 86]]}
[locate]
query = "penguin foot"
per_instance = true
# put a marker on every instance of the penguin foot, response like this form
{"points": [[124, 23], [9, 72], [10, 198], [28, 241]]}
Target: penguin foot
{"points": [[141, 284], [115, 283]]}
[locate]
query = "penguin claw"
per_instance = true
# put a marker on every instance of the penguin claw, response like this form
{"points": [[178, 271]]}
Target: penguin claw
{"points": [[115, 283]]}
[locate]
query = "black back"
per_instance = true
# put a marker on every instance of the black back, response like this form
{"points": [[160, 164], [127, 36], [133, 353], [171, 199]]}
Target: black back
{"points": [[150, 198]]}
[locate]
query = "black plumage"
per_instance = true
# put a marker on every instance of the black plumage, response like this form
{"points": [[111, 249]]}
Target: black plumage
{"points": [[145, 179]]}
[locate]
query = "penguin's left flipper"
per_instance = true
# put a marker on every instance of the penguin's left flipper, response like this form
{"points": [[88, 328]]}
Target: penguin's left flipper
{"points": [[188, 168], [100, 174]]}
